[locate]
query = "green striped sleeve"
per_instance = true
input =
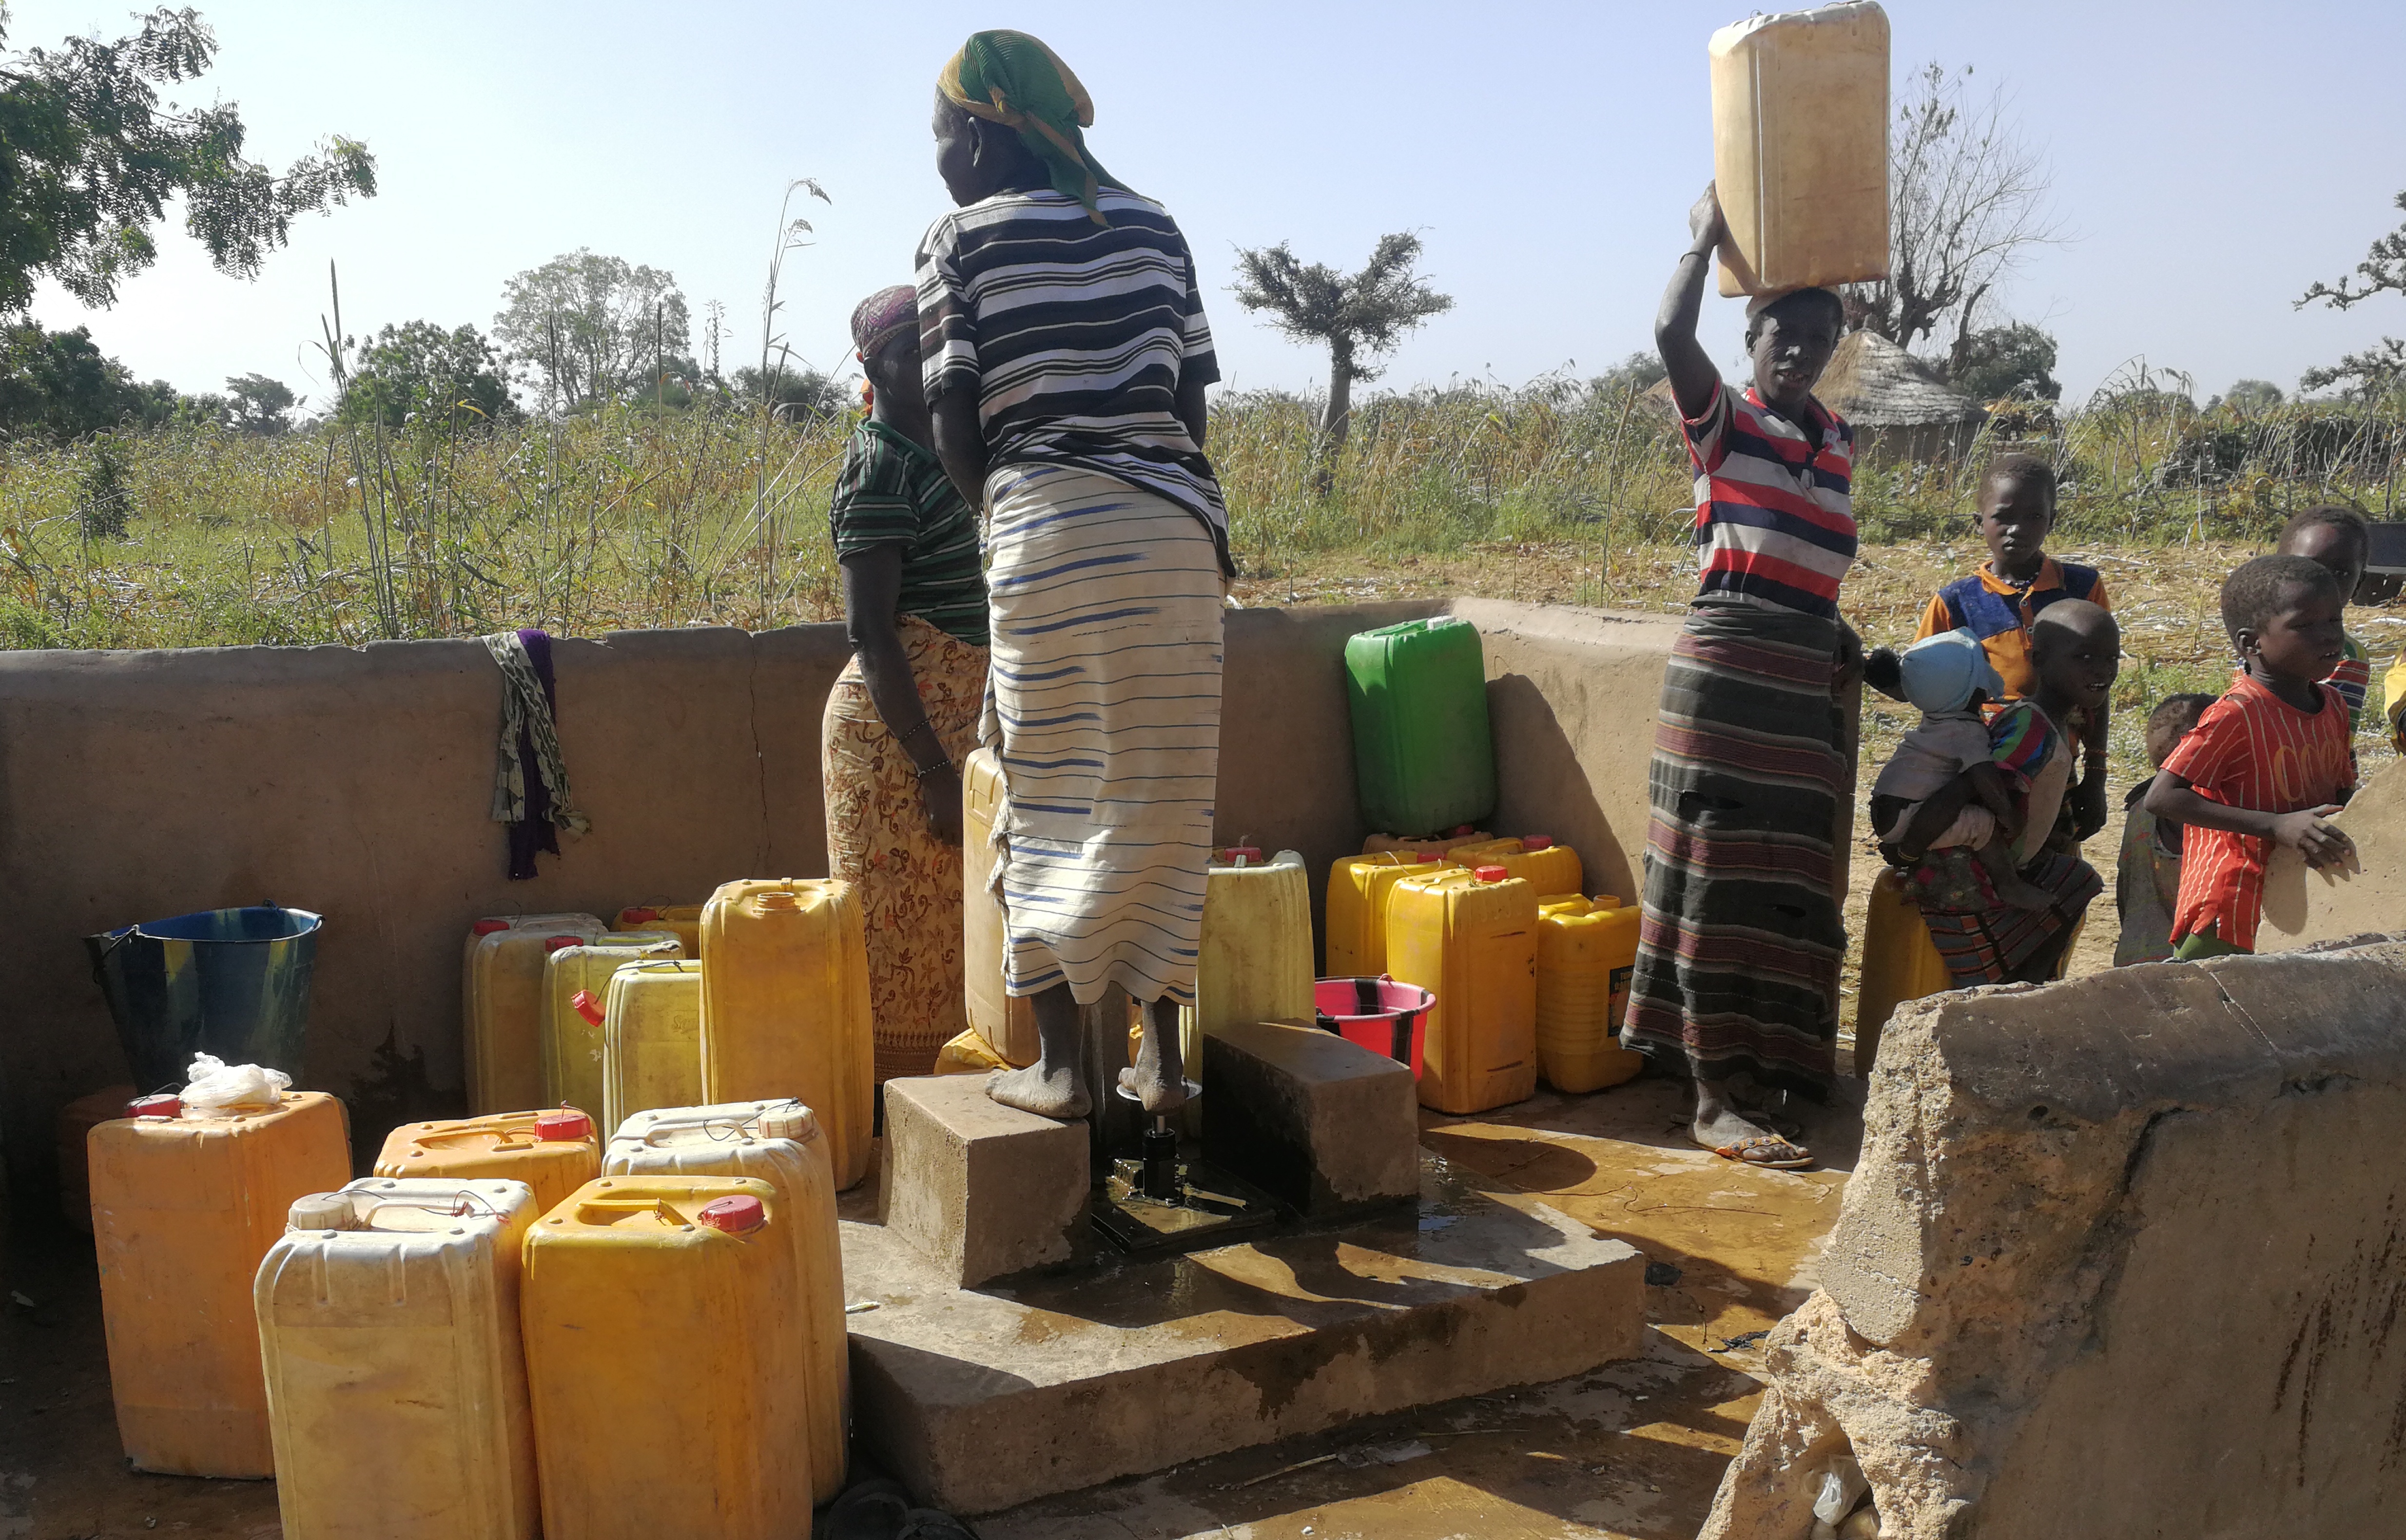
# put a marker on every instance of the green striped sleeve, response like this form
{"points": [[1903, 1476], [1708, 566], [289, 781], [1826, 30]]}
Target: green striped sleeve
{"points": [[872, 503]]}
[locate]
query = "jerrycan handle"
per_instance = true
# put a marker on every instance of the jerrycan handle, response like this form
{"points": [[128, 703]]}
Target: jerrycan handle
{"points": [[460, 1205]]}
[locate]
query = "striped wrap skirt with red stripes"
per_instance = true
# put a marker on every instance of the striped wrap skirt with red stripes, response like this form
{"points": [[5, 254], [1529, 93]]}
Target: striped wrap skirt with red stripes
{"points": [[1741, 941]]}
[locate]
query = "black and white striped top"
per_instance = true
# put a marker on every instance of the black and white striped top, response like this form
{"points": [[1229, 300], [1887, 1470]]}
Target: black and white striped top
{"points": [[1076, 336]]}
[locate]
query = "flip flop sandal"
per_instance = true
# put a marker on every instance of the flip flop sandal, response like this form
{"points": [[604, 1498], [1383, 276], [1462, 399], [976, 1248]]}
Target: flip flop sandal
{"points": [[1743, 1152], [928, 1524], [873, 1510]]}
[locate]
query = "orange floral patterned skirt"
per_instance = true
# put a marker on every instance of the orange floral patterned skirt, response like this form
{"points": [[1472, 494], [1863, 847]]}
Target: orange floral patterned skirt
{"points": [[910, 884]]}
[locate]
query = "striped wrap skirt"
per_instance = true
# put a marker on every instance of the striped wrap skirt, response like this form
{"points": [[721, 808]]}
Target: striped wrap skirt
{"points": [[1107, 606], [1740, 940]]}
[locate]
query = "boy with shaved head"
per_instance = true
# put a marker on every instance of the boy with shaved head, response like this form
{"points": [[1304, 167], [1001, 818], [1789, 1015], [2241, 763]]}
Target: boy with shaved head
{"points": [[2268, 763]]}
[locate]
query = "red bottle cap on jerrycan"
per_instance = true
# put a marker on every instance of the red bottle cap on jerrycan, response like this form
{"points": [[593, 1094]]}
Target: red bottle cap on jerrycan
{"points": [[1460, 829], [165, 1105], [1537, 841], [738, 1215], [558, 942], [1493, 874], [488, 927], [639, 916], [585, 1005], [1239, 856], [566, 1123]]}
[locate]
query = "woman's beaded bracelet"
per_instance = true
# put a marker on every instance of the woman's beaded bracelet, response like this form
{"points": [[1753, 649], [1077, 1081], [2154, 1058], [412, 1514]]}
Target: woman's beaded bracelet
{"points": [[938, 765]]}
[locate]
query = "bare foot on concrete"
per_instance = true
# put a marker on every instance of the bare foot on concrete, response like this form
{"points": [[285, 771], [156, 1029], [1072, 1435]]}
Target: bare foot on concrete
{"points": [[1056, 1093], [1158, 1077]]}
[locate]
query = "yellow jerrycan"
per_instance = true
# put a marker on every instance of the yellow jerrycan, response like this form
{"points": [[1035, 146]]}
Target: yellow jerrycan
{"points": [[77, 1119], [1441, 844], [182, 1211], [572, 1041], [1254, 962], [683, 921], [662, 1325], [780, 1143], [501, 1006], [396, 1386], [1800, 148], [1470, 937], [552, 1152], [1586, 953], [1900, 962], [1358, 889], [784, 1007], [651, 1039], [1542, 864], [1006, 1024]]}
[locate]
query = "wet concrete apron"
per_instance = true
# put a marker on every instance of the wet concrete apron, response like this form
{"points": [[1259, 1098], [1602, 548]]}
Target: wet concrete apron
{"points": [[1634, 1449]]}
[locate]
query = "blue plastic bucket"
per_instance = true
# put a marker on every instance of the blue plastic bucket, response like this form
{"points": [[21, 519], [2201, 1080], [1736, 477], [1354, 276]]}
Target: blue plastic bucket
{"points": [[230, 981]]}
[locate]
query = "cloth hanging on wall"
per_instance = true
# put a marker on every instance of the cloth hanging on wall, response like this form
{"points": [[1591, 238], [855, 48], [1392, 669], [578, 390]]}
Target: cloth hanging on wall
{"points": [[529, 777]]}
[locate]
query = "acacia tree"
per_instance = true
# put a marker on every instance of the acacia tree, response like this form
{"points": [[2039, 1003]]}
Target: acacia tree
{"points": [[583, 329], [419, 368], [256, 404], [2379, 368], [1357, 317], [89, 160], [1966, 204]]}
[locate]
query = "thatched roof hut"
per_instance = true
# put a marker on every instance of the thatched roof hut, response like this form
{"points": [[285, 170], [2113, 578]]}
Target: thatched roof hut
{"points": [[1897, 405]]}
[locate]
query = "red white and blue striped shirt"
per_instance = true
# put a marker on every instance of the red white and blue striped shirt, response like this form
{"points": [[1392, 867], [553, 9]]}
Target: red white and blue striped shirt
{"points": [[1774, 523]]}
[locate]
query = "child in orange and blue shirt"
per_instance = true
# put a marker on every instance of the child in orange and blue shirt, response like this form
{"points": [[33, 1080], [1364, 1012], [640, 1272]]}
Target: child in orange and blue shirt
{"points": [[1999, 601]]}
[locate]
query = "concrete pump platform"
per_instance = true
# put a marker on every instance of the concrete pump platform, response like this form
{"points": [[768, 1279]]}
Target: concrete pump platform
{"points": [[983, 1398]]}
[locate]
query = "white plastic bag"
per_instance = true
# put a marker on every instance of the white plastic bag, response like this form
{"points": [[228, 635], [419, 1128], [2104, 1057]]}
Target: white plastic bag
{"points": [[214, 1087], [1840, 1488]]}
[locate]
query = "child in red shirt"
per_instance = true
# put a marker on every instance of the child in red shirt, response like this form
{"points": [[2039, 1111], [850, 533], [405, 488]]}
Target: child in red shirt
{"points": [[2266, 764]]}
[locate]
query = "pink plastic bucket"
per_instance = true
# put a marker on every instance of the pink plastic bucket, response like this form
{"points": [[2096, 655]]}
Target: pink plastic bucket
{"points": [[1389, 1019]]}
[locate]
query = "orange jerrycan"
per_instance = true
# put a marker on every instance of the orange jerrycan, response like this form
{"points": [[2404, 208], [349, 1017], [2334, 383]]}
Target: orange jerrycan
{"points": [[651, 1039], [572, 1041], [1254, 962], [1586, 953], [663, 1329], [1900, 962], [1358, 889], [683, 921], [1007, 1024], [1470, 937], [552, 1152], [182, 1211], [388, 1329], [503, 1005], [1800, 148], [784, 1007], [77, 1119], [780, 1143]]}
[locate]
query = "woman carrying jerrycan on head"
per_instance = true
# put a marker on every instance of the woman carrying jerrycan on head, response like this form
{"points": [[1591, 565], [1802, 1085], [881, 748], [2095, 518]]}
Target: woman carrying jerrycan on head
{"points": [[1736, 983]]}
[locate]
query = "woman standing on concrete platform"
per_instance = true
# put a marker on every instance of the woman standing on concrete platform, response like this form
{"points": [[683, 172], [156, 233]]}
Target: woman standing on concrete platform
{"points": [[1736, 981], [904, 712], [1066, 355]]}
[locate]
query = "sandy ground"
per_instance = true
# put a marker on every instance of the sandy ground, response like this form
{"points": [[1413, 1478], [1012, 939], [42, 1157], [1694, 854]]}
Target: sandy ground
{"points": [[1632, 1450]]}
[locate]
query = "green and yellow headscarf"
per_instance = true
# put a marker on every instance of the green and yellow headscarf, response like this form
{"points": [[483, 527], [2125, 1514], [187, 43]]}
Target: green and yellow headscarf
{"points": [[1011, 78]]}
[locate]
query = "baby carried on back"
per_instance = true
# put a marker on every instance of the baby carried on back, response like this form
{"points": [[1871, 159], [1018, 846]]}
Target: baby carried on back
{"points": [[1943, 788]]}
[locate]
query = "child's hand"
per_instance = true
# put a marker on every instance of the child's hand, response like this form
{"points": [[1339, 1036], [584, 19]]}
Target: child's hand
{"points": [[1706, 224], [2309, 833], [2087, 803]]}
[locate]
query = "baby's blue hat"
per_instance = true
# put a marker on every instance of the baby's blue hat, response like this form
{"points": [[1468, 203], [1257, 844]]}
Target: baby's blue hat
{"points": [[1941, 672]]}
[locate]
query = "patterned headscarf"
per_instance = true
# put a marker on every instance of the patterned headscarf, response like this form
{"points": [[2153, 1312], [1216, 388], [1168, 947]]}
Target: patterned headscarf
{"points": [[1011, 78], [879, 319]]}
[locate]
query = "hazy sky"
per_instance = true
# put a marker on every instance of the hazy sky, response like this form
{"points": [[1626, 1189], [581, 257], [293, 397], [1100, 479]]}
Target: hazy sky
{"points": [[2210, 161]]}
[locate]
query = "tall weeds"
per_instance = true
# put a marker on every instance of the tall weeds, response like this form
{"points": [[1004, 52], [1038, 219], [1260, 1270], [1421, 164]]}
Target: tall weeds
{"points": [[632, 516]]}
